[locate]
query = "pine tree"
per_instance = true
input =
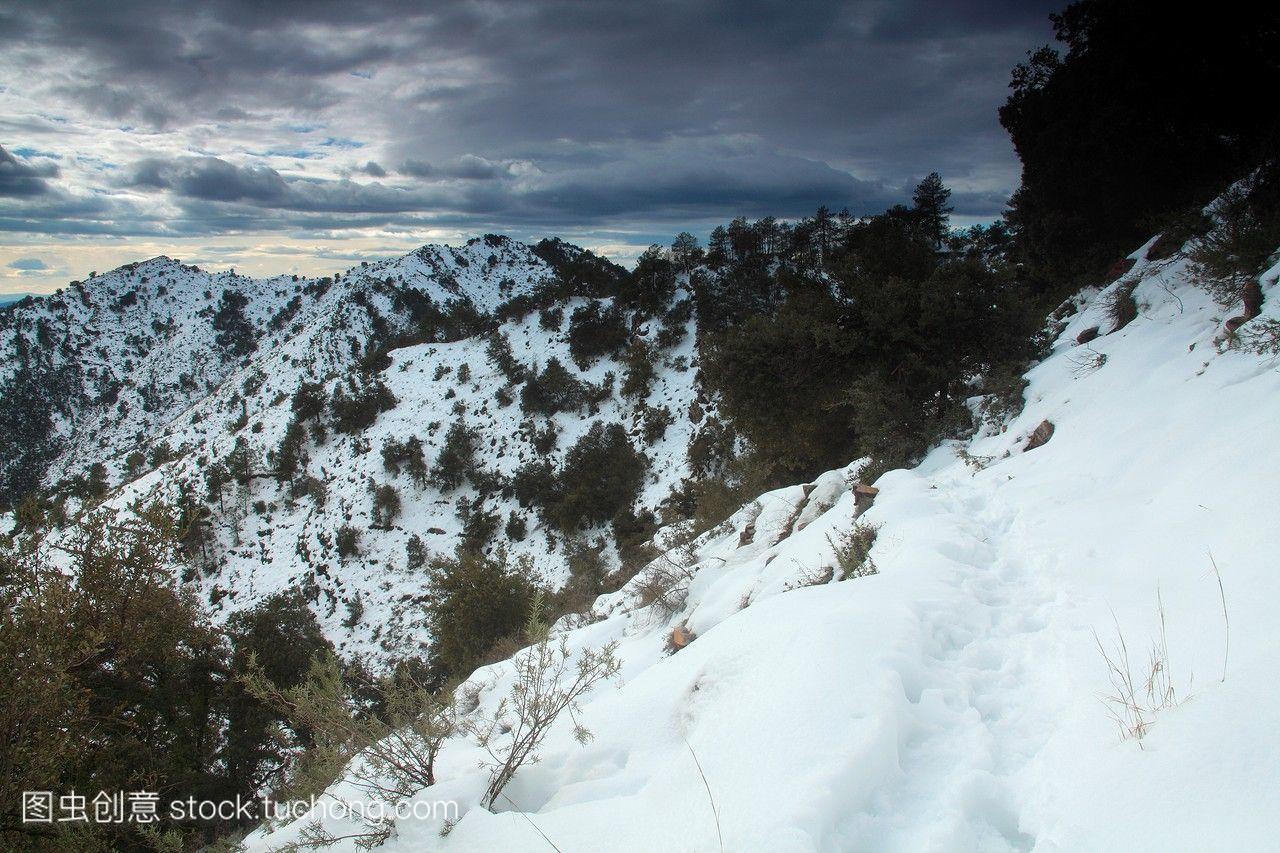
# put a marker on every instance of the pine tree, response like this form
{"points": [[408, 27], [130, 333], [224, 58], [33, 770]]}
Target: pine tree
{"points": [[932, 209]]}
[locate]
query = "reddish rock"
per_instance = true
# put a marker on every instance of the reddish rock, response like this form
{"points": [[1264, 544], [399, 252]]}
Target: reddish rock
{"points": [[681, 637], [1235, 323], [747, 536], [1087, 335], [1252, 299], [863, 497], [1039, 436]]}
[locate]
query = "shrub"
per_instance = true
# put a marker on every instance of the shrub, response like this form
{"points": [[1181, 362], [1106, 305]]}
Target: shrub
{"points": [[595, 331], [415, 553], [355, 612], [534, 484], [498, 350], [553, 390], [479, 525], [397, 736], [347, 541], [386, 506], [675, 324], [550, 319], [548, 682], [587, 572], [356, 406], [311, 487], [852, 548], [544, 439], [456, 458], [602, 474], [234, 331], [405, 455], [516, 528], [654, 423], [640, 371], [664, 585], [1244, 239], [474, 601]]}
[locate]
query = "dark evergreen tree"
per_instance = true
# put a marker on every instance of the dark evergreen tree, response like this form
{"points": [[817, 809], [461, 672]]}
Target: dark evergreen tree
{"points": [[1146, 113], [933, 210]]}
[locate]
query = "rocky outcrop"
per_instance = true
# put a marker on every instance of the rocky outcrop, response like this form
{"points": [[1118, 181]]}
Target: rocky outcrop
{"points": [[1039, 436]]}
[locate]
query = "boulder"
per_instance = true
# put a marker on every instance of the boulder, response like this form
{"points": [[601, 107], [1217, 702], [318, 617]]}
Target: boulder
{"points": [[1039, 436], [1252, 297], [1087, 335], [863, 497], [681, 637]]}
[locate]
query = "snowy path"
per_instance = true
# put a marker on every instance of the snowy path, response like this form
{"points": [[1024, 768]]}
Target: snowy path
{"points": [[969, 728]]}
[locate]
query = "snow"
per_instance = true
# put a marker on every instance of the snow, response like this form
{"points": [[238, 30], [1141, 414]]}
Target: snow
{"points": [[953, 700]]}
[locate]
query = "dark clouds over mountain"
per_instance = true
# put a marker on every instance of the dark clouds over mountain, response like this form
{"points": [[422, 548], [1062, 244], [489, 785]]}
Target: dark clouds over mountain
{"points": [[163, 118]]}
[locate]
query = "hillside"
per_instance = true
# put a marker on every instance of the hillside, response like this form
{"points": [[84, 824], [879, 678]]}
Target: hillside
{"points": [[161, 372], [950, 699]]}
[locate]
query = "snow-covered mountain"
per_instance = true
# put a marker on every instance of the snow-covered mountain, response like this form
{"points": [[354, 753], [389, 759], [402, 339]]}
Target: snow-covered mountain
{"points": [[160, 370], [954, 699]]}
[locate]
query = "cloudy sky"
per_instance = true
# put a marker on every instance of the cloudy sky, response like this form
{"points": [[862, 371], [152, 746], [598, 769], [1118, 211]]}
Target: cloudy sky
{"points": [[296, 136]]}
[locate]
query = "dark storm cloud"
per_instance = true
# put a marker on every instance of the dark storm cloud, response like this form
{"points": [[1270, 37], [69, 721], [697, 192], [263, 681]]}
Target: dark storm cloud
{"points": [[530, 112], [211, 179], [18, 178]]}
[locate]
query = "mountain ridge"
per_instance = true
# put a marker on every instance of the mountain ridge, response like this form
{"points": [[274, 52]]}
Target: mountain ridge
{"points": [[167, 372]]}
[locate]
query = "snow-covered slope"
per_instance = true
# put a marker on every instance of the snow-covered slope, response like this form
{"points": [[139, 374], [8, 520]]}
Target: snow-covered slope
{"points": [[953, 701], [140, 366]]}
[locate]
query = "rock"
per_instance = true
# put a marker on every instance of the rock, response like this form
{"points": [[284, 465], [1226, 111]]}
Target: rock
{"points": [[1235, 323], [1039, 436], [1087, 335], [681, 637], [1252, 297], [748, 535], [1119, 268], [863, 497]]}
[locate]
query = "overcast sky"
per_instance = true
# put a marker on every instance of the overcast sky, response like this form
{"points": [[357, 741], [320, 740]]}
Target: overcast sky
{"points": [[304, 136]]}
